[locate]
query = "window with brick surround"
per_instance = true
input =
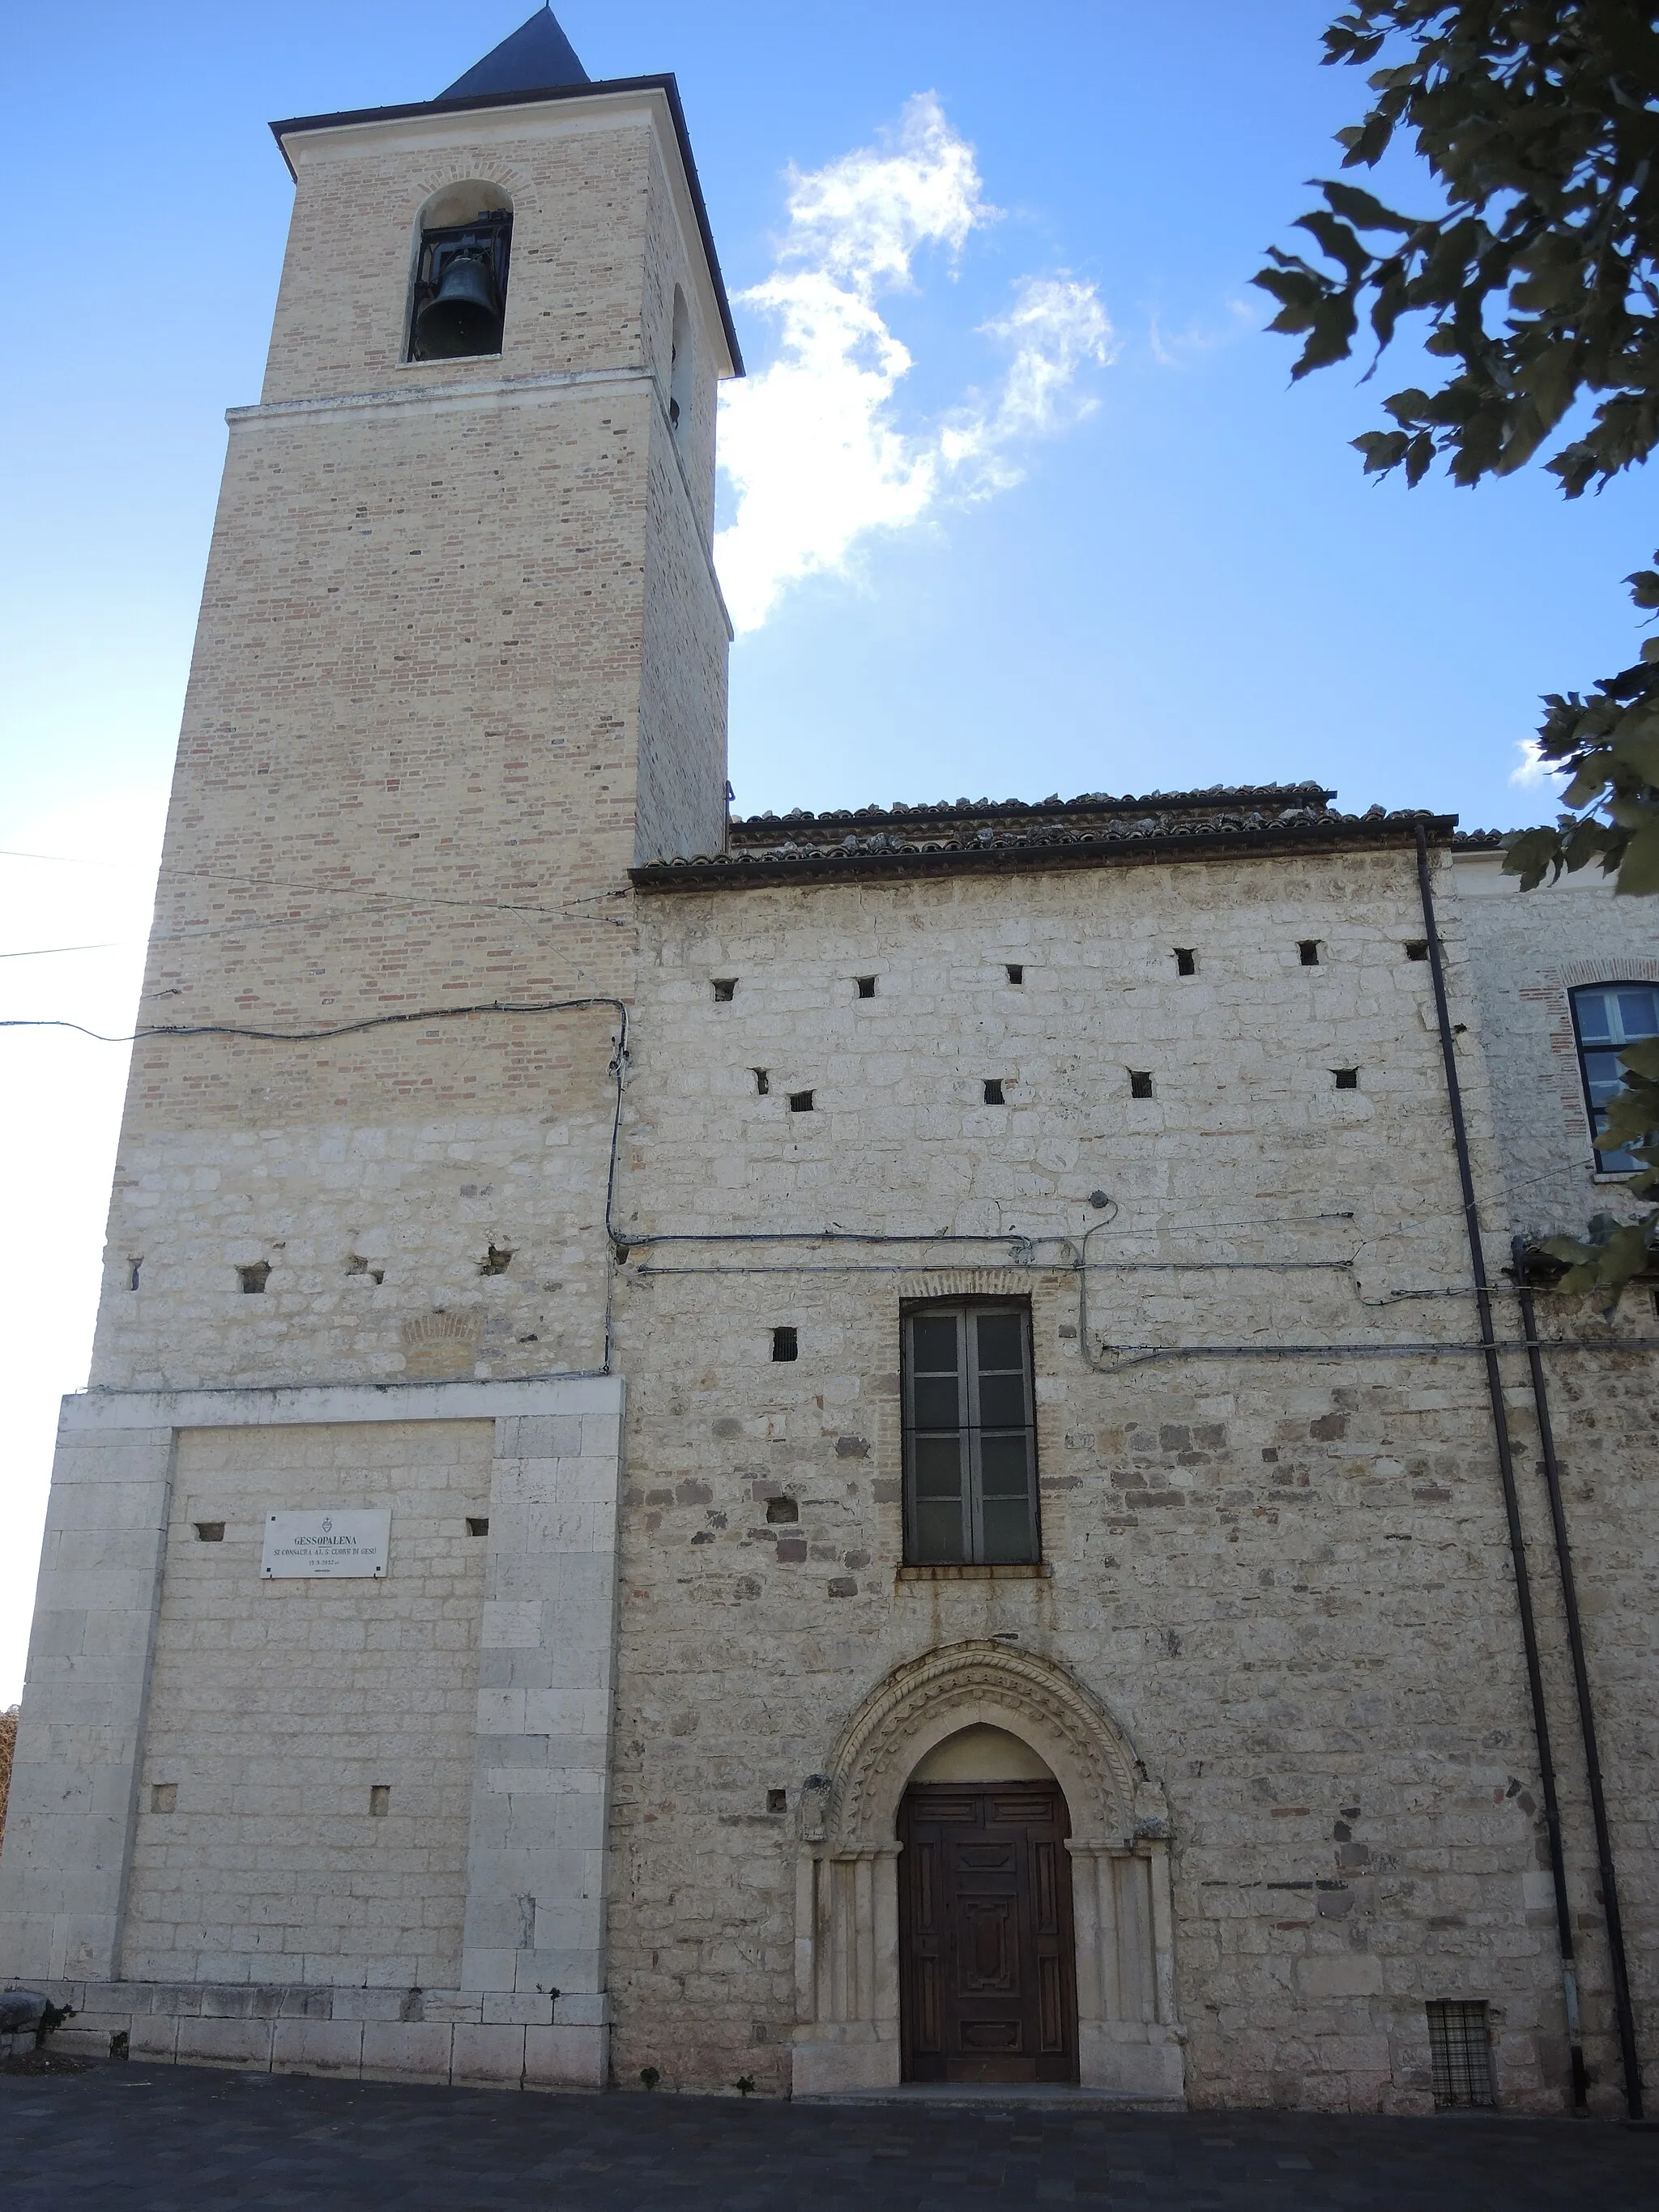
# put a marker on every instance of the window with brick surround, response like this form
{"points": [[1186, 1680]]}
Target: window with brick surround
{"points": [[969, 1436], [1606, 1017]]}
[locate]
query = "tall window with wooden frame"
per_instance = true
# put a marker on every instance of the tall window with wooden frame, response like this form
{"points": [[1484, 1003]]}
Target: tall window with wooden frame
{"points": [[970, 1495], [1606, 1017]]}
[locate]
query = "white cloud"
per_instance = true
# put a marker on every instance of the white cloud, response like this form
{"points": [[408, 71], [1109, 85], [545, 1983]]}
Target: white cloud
{"points": [[1532, 772], [810, 445], [1176, 349]]}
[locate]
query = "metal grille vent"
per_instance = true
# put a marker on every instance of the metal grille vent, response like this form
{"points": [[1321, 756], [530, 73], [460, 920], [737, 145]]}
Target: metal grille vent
{"points": [[1459, 2050]]}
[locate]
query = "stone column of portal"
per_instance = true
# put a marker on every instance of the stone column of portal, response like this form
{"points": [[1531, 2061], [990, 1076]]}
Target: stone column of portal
{"points": [[81, 1733], [537, 1861], [1129, 2037]]}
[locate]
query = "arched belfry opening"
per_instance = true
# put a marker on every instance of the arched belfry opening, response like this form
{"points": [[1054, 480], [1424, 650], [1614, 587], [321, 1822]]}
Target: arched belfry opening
{"points": [[679, 365], [1014, 1745], [457, 300]]}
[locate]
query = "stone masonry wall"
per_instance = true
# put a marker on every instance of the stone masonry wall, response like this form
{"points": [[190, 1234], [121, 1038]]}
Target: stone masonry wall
{"points": [[444, 624], [276, 1707], [579, 187], [1527, 951], [1287, 1578]]}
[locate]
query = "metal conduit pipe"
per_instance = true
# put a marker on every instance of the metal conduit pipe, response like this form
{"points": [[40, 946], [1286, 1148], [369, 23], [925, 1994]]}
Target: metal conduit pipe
{"points": [[1500, 1423], [1621, 1997]]}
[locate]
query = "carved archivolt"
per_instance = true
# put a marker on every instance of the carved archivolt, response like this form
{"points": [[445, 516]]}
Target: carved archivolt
{"points": [[918, 1704]]}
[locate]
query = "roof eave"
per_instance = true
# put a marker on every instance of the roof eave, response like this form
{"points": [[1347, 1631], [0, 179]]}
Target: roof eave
{"points": [[833, 866], [666, 85]]}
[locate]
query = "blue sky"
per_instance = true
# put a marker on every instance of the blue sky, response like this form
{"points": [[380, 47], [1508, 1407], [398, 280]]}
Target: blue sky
{"points": [[1174, 575]]}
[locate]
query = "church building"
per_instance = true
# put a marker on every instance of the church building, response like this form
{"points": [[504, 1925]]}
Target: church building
{"points": [[940, 1455]]}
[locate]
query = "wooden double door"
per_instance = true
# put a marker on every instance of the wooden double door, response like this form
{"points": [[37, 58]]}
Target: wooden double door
{"points": [[987, 1968]]}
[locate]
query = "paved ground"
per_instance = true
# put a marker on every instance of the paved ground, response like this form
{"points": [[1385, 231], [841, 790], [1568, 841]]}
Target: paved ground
{"points": [[150, 2139]]}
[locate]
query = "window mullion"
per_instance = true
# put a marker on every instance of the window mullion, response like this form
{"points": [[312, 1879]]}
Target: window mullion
{"points": [[973, 1532], [972, 1438]]}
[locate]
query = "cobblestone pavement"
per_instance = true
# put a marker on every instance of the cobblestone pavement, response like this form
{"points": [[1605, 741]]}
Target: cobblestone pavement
{"points": [[151, 2139]]}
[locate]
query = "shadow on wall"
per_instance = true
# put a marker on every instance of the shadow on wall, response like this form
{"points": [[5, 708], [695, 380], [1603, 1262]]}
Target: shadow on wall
{"points": [[8, 1745]]}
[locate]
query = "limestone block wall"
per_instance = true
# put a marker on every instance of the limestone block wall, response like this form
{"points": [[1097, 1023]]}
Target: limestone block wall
{"points": [[1527, 952], [276, 1708], [1286, 1579], [70, 1816], [378, 1238], [195, 1858], [672, 260], [408, 729], [683, 677]]}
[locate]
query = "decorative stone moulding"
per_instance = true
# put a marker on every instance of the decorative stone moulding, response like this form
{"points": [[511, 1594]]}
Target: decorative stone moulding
{"points": [[847, 1933]]}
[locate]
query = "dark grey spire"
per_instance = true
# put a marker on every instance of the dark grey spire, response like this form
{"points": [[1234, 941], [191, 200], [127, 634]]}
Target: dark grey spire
{"points": [[536, 57]]}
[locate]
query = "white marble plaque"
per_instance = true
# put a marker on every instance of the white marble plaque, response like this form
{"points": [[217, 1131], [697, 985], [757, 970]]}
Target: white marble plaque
{"points": [[331, 1545]]}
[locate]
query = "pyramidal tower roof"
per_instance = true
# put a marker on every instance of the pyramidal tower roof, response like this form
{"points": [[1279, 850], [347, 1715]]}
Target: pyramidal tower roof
{"points": [[536, 57], [535, 66]]}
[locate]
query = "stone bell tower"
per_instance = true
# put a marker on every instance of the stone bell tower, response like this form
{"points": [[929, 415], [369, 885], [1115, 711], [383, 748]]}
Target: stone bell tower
{"points": [[461, 661]]}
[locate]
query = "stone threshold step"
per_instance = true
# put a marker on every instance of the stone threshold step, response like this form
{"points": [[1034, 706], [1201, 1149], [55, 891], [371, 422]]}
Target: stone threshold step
{"points": [[1014, 2096]]}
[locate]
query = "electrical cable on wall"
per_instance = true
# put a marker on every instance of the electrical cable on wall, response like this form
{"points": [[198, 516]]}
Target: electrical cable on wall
{"points": [[617, 1071]]}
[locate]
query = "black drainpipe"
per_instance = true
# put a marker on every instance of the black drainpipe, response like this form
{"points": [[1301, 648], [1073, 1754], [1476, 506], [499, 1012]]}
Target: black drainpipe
{"points": [[1500, 1422], [1581, 1681]]}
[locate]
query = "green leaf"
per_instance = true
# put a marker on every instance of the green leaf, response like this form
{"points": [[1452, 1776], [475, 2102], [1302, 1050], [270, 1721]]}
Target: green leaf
{"points": [[1636, 740], [1639, 870], [1336, 240], [1407, 408], [1362, 209], [1532, 856]]}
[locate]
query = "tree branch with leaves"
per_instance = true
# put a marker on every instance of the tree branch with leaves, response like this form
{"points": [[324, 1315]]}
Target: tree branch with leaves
{"points": [[1539, 282]]}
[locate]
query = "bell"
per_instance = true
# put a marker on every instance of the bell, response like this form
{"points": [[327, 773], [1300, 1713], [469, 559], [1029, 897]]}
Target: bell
{"points": [[462, 316]]}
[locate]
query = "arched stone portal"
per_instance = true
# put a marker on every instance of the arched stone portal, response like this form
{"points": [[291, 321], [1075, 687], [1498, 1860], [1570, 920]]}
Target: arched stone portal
{"points": [[846, 1964]]}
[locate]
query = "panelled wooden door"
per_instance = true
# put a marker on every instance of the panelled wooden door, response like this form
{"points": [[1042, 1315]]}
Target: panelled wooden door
{"points": [[986, 1971]]}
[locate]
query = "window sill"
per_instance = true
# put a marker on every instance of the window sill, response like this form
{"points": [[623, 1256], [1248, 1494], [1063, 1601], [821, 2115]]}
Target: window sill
{"points": [[1019, 1571], [448, 360]]}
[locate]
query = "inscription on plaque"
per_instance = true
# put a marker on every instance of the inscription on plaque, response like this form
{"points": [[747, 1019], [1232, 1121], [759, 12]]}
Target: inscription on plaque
{"points": [[325, 1546]]}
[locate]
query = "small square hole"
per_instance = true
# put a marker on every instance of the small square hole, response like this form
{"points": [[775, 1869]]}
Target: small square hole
{"points": [[478, 1524], [786, 1344], [1308, 951], [800, 1101], [164, 1798], [1016, 972], [210, 1532], [1418, 949], [379, 1799], [1186, 961], [1347, 1078], [777, 1801], [1141, 1082], [866, 986], [254, 1279], [781, 1512], [762, 1082], [994, 1091], [725, 987]]}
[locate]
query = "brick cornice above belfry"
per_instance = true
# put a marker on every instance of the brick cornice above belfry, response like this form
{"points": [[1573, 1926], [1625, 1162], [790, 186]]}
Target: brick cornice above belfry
{"points": [[1094, 831]]}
